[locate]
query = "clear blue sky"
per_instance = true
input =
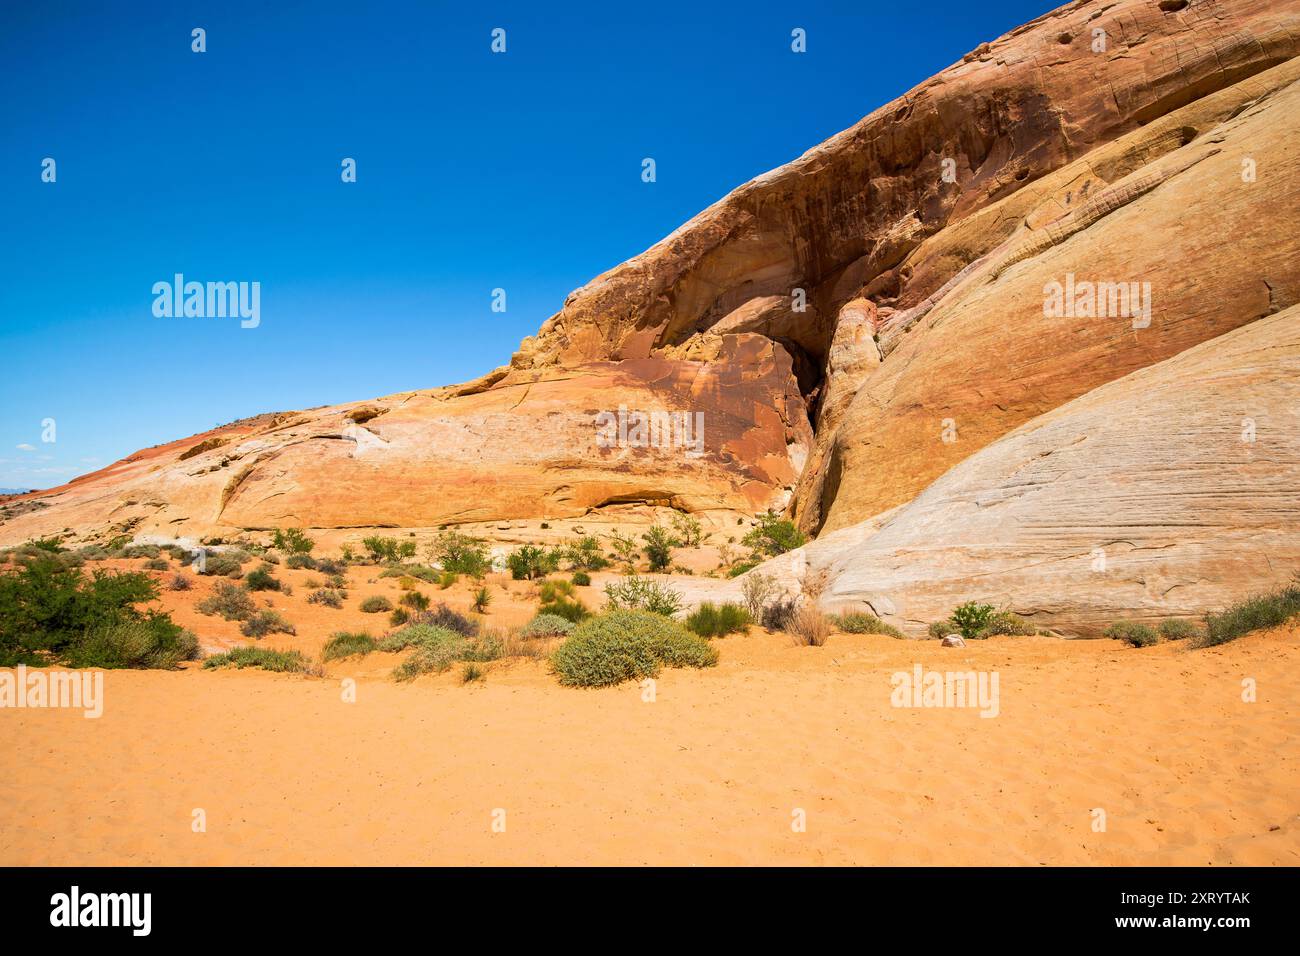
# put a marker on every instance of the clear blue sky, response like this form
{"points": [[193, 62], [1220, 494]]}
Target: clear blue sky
{"points": [[475, 171]]}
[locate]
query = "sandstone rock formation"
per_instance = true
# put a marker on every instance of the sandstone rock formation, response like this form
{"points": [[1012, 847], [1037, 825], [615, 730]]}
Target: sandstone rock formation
{"points": [[877, 335]]}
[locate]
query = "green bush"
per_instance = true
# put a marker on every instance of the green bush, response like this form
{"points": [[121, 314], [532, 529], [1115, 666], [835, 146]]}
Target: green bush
{"points": [[345, 644], [627, 645], [585, 554], [971, 617], [266, 622], [399, 616], [329, 597], [547, 625], [299, 562], [146, 644], [573, 610], [436, 649], [862, 622], [139, 551], [941, 629], [262, 657], [659, 544], [292, 541], [637, 594], [376, 604], [260, 579], [1132, 632], [710, 620], [470, 673], [222, 565], [461, 554], [1174, 629], [229, 601], [582, 579], [1252, 614], [529, 562], [156, 564], [413, 571], [482, 598], [736, 570], [387, 549], [1006, 623], [774, 535], [415, 600]]}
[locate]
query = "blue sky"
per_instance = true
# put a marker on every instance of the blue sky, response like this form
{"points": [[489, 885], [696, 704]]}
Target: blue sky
{"points": [[475, 171]]}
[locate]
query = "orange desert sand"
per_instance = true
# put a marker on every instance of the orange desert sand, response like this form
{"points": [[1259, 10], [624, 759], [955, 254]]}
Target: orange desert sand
{"points": [[710, 773]]}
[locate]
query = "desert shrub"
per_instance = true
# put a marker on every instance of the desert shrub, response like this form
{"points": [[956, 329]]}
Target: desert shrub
{"points": [[774, 535], [547, 625], [582, 579], [687, 530], [447, 579], [299, 562], [406, 582], [292, 541], [710, 620], [778, 614], [571, 610], [229, 601], [971, 617], [415, 600], [1252, 614], [92, 552], [638, 594], [862, 622], [482, 598], [376, 604], [941, 629], [1132, 632], [1007, 623], [380, 549], [329, 597], [809, 626], [270, 557], [627, 645], [659, 544], [260, 579], [1174, 629], [145, 644], [462, 554], [470, 673], [529, 562], [399, 616], [413, 572], [140, 551], [550, 590], [443, 616], [416, 635], [758, 590], [437, 648], [180, 582], [345, 644], [222, 564], [156, 564], [584, 554], [262, 657], [266, 622], [338, 582]]}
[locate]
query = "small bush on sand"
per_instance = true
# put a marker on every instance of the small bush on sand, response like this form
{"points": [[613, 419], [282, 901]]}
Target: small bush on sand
{"points": [[415, 601], [156, 564], [416, 635], [1252, 614], [443, 616], [266, 622], [862, 622], [758, 590], [292, 541], [582, 579], [300, 562], [550, 590], [1132, 632], [529, 562], [261, 579], [1175, 629], [262, 657], [1007, 624], [345, 644], [399, 617], [377, 604], [329, 597], [470, 673], [627, 645], [222, 565], [808, 626], [971, 617], [140, 551], [547, 625], [410, 573], [774, 535], [637, 594], [229, 601], [447, 579], [659, 544], [778, 614], [180, 583], [137, 644], [941, 629], [462, 554], [482, 598], [742, 567], [710, 620], [437, 648]]}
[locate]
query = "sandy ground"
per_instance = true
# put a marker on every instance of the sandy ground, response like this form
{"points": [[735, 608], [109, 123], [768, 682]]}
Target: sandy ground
{"points": [[713, 771]]}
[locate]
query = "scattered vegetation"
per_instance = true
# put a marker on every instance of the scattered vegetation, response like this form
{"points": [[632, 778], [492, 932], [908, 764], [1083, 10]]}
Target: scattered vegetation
{"points": [[384, 550], [710, 620], [461, 554], [1132, 632], [774, 535], [345, 644], [862, 622], [547, 625], [292, 541], [266, 622], [638, 594], [1252, 614], [229, 601], [329, 597], [286, 662], [1175, 629], [627, 645]]}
